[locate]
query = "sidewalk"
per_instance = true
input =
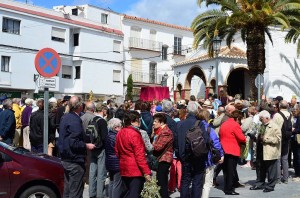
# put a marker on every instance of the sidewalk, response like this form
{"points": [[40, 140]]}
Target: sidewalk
{"points": [[247, 177]]}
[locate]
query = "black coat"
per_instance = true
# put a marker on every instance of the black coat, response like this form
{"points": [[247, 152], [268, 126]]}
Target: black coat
{"points": [[36, 125], [111, 160]]}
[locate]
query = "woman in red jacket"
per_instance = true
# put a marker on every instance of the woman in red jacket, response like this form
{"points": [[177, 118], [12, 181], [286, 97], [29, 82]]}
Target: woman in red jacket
{"points": [[163, 150], [130, 149], [231, 136]]}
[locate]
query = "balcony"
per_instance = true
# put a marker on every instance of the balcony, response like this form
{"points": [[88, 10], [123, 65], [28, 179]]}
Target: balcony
{"points": [[145, 44], [146, 78], [181, 50]]}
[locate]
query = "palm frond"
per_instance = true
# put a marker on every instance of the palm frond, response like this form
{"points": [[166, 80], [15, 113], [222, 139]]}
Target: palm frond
{"points": [[281, 19], [267, 31]]}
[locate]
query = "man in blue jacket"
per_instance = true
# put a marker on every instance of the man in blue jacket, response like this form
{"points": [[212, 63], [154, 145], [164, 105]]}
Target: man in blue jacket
{"points": [[7, 123], [73, 149], [193, 170]]}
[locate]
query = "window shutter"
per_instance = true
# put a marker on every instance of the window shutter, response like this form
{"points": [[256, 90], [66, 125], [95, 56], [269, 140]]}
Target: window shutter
{"points": [[116, 76], [58, 33], [117, 46], [67, 70]]}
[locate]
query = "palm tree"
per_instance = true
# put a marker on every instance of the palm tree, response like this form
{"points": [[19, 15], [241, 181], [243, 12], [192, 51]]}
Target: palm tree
{"points": [[251, 19]]}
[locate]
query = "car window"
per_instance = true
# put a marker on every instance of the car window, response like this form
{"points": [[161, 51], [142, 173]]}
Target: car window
{"points": [[4, 157], [6, 146], [19, 150]]}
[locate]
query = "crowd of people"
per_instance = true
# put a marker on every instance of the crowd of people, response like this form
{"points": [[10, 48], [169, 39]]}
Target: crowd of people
{"points": [[136, 141]]}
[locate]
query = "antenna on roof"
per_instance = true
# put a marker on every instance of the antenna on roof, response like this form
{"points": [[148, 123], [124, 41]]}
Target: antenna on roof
{"points": [[109, 8]]}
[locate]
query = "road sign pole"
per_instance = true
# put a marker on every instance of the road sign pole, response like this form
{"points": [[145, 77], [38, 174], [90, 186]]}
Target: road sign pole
{"points": [[46, 107], [259, 85]]}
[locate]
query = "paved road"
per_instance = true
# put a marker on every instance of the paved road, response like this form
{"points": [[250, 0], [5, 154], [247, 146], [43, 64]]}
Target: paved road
{"points": [[247, 176]]}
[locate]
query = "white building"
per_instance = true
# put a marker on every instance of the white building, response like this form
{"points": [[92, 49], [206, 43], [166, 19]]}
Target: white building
{"points": [[281, 76], [151, 47], [90, 51]]}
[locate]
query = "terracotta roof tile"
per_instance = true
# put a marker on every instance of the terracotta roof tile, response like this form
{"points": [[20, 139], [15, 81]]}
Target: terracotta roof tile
{"points": [[156, 22], [225, 52]]}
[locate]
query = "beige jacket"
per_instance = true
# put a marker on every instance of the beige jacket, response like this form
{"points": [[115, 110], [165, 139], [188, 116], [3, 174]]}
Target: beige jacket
{"points": [[217, 123], [278, 119], [272, 142]]}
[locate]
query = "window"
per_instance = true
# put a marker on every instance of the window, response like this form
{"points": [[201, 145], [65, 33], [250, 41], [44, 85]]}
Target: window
{"points": [[75, 11], [117, 46], [77, 72], [66, 72], [164, 52], [11, 25], [58, 34], [135, 32], [5, 63], [177, 45], [76, 39], [104, 18], [116, 75], [152, 73]]}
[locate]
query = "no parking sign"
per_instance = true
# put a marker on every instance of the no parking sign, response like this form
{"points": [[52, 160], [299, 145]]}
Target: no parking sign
{"points": [[47, 62]]}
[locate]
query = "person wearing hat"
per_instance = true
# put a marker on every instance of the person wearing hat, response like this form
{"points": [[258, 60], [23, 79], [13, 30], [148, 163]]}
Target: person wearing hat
{"points": [[25, 123], [7, 123], [208, 106], [278, 99], [2, 98]]}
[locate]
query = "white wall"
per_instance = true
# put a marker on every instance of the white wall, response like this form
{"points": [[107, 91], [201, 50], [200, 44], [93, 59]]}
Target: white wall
{"points": [[95, 51]]}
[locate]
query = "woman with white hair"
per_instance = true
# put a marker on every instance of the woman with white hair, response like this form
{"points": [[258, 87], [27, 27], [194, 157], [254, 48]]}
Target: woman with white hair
{"points": [[116, 187]]}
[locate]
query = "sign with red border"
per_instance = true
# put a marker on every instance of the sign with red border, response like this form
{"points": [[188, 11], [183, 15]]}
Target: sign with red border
{"points": [[47, 62]]}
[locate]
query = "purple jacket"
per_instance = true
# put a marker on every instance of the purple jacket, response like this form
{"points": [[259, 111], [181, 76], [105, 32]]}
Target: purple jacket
{"points": [[26, 115], [216, 143]]}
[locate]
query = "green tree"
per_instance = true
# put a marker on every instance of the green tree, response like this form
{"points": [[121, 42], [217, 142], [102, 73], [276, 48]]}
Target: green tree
{"points": [[129, 87], [251, 19]]}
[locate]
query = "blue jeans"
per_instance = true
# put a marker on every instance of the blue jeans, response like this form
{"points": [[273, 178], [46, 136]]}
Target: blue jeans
{"points": [[98, 174], [192, 173]]}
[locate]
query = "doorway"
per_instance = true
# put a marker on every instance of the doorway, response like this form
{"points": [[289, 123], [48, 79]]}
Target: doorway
{"points": [[238, 83]]}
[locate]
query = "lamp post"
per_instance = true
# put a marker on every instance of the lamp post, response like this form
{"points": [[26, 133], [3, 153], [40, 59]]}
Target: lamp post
{"points": [[216, 48]]}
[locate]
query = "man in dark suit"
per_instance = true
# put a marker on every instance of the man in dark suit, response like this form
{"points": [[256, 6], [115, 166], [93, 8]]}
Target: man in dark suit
{"points": [[73, 149]]}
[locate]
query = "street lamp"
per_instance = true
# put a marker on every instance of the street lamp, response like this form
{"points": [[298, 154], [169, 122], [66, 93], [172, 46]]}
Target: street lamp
{"points": [[216, 48]]}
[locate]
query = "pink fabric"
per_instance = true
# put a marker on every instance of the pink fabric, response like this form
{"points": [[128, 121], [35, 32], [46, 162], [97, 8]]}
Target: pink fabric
{"points": [[175, 175], [151, 93]]}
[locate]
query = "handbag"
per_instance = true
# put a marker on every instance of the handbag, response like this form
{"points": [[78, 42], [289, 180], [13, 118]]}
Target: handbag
{"points": [[244, 150], [215, 153], [153, 161]]}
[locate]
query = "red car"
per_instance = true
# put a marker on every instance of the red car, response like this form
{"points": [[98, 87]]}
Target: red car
{"points": [[24, 174]]}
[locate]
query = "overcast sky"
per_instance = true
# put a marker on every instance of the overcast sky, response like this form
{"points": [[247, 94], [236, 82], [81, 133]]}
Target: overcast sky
{"points": [[179, 12]]}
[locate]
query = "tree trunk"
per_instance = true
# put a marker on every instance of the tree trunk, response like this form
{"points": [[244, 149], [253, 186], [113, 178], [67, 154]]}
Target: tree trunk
{"points": [[256, 59]]}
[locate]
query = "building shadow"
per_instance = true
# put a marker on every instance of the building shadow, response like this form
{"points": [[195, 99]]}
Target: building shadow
{"points": [[294, 84]]}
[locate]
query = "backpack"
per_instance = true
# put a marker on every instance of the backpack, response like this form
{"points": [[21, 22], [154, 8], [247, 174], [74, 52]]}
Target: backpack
{"points": [[286, 129], [92, 134], [197, 143]]}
